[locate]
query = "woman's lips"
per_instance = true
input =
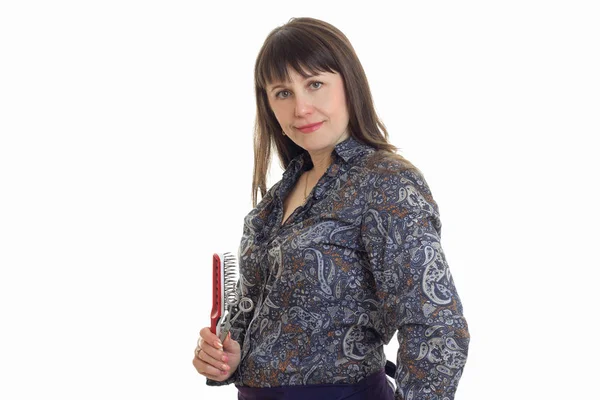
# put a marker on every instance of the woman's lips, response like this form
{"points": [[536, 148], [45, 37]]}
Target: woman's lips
{"points": [[310, 128]]}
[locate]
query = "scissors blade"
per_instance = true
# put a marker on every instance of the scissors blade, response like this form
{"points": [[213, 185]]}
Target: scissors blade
{"points": [[224, 331]]}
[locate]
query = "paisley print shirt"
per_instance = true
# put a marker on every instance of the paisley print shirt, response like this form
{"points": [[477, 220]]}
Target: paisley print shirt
{"points": [[358, 262]]}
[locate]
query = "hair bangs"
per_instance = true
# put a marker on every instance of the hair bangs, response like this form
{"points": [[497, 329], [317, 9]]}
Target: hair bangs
{"points": [[306, 54]]}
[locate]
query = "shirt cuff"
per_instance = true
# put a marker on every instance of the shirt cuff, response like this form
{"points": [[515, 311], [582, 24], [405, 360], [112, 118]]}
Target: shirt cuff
{"points": [[232, 379]]}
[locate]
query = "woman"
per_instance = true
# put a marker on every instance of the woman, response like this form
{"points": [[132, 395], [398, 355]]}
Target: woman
{"points": [[343, 251]]}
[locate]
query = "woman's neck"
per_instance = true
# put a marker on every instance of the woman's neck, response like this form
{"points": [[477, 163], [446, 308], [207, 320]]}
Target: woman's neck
{"points": [[321, 161], [320, 164]]}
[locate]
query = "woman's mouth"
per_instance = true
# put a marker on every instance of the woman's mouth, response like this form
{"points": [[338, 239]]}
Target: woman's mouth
{"points": [[310, 128]]}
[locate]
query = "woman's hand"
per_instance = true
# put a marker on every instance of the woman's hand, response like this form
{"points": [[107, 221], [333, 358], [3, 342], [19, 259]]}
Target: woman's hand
{"points": [[214, 360]]}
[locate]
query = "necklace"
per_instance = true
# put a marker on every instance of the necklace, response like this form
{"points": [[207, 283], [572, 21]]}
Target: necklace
{"points": [[305, 187]]}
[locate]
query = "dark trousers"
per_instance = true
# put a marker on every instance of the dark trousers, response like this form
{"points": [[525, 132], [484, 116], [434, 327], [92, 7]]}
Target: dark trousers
{"points": [[373, 387]]}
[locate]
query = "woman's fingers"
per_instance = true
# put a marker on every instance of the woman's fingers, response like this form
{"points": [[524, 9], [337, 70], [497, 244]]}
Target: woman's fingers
{"points": [[212, 350], [207, 370], [214, 357], [210, 338], [210, 360]]}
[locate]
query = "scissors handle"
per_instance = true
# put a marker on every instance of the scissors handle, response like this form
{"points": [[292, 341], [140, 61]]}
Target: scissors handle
{"points": [[245, 305], [225, 328]]}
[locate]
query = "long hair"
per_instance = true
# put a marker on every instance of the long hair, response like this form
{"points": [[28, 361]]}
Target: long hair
{"points": [[310, 46]]}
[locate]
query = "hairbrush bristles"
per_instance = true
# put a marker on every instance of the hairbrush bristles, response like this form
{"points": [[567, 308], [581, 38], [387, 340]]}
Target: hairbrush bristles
{"points": [[230, 273]]}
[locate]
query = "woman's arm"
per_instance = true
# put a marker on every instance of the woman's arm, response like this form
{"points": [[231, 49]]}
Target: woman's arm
{"points": [[401, 233]]}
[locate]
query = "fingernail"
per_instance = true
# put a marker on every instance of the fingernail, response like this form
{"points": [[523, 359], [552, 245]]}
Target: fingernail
{"points": [[224, 358], [225, 367], [224, 372], [218, 343]]}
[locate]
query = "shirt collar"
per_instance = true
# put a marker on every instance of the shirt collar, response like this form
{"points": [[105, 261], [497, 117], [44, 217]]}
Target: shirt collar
{"points": [[346, 150], [350, 148]]}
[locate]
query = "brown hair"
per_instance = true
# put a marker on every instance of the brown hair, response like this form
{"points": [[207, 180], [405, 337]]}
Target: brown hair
{"points": [[310, 46]]}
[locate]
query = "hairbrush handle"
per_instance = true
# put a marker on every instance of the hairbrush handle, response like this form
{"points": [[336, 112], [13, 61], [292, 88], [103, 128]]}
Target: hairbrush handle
{"points": [[218, 295]]}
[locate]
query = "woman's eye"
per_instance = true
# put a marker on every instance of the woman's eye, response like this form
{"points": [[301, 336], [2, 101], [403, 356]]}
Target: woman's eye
{"points": [[315, 85], [278, 94]]}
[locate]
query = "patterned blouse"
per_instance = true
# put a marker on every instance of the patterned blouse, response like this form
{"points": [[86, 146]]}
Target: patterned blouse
{"points": [[358, 262]]}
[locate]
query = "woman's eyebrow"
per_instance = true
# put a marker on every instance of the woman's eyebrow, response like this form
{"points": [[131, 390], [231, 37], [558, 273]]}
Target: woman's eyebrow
{"points": [[282, 85]]}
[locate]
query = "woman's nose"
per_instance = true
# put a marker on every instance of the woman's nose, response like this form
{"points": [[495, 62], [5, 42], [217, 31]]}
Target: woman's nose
{"points": [[303, 105]]}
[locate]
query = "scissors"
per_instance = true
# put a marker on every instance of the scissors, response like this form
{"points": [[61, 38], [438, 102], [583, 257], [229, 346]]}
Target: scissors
{"points": [[244, 305]]}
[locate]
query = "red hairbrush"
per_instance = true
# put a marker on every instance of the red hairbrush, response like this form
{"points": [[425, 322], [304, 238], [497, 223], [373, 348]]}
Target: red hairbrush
{"points": [[224, 296]]}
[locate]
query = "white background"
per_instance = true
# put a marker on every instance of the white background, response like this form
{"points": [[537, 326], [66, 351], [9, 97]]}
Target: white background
{"points": [[126, 161]]}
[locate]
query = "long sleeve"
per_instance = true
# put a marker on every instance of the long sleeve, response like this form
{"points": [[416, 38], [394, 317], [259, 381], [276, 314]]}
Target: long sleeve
{"points": [[250, 278], [401, 233], [246, 286]]}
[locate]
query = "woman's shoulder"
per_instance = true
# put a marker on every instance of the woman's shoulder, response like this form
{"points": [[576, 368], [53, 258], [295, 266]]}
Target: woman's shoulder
{"points": [[266, 200], [389, 177], [386, 165], [258, 216], [270, 195]]}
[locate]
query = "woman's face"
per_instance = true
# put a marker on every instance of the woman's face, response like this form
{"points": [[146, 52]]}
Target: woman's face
{"points": [[317, 99]]}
